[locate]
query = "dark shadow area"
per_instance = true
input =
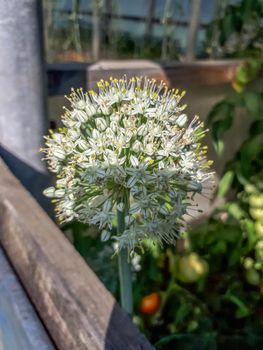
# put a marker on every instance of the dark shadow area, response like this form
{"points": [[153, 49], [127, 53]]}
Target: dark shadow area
{"points": [[34, 181], [63, 76], [208, 341], [122, 334]]}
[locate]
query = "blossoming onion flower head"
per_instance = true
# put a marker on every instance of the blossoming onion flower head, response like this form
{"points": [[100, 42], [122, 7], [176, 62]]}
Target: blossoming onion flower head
{"points": [[130, 149]]}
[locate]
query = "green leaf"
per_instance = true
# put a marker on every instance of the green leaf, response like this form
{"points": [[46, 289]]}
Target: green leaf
{"points": [[220, 118], [219, 128], [235, 99], [247, 70], [236, 165], [225, 183], [182, 312], [249, 152], [242, 310], [235, 210], [250, 230], [228, 22], [253, 102], [246, 8], [218, 111], [219, 146]]}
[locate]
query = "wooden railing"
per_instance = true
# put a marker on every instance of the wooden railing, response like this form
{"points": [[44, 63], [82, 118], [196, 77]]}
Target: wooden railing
{"points": [[63, 76], [77, 310]]}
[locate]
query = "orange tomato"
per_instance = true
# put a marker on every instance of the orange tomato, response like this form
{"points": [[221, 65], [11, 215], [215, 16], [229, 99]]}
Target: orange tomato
{"points": [[150, 303]]}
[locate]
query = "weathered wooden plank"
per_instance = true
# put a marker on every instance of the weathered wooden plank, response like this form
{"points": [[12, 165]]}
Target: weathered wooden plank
{"points": [[20, 327], [63, 76], [76, 308]]}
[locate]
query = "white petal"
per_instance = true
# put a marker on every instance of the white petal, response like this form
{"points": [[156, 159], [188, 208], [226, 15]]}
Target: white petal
{"points": [[134, 208], [105, 235], [81, 116], [101, 124], [95, 134], [134, 161], [131, 182], [59, 154], [181, 120], [120, 206], [164, 210], [49, 192], [143, 130], [107, 205], [59, 193]]}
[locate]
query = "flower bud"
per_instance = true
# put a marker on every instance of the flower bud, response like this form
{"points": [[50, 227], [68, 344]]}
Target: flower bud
{"points": [[49, 192], [181, 120]]}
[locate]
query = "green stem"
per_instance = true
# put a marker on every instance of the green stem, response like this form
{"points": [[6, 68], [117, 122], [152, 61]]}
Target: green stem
{"points": [[124, 270]]}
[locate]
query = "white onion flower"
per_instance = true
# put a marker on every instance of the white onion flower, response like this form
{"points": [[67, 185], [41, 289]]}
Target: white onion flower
{"points": [[127, 148]]}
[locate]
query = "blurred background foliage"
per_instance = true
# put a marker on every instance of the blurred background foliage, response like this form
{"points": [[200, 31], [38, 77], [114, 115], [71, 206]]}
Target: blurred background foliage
{"points": [[205, 293], [81, 30]]}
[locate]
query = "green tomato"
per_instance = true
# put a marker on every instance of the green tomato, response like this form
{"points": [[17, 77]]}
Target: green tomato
{"points": [[259, 256], [256, 213], [249, 188], [256, 200], [248, 263], [259, 228], [192, 326], [258, 265], [190, 268], [252, 277]]}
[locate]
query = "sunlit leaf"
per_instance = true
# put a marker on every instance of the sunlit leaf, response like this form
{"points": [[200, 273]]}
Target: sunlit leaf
{"points": [[225, 183], [235, 210]]}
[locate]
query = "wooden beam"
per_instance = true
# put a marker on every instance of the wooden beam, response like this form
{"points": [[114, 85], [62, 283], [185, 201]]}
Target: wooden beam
{"points": [[63, 76], [76, 308], [19, 324]]}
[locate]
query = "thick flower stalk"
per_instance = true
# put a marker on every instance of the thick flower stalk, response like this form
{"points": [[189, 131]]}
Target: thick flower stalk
{"points": [[130, 151]]}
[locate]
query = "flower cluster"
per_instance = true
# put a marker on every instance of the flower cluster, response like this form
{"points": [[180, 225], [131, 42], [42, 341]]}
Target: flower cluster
{"points": [[130, 149]]}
